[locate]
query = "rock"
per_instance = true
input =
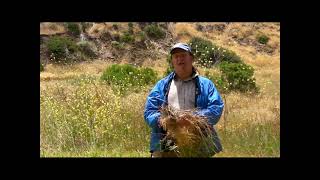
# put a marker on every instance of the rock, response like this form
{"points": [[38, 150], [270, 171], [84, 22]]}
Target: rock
{"points": [[107, 55]]}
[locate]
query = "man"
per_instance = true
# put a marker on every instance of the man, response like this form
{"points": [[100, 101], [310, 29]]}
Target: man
{"points": [[182, 89]]}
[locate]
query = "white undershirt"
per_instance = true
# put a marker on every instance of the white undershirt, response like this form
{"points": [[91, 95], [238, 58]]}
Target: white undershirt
{"points": [[182, 93]]}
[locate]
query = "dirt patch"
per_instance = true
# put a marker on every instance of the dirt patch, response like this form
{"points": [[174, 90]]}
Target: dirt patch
{"points": [[219, 28], [262, 48]]}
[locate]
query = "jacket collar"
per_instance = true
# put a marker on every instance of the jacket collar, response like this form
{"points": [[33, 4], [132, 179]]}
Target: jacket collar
{"points": [[194, 74], [170, 77]]}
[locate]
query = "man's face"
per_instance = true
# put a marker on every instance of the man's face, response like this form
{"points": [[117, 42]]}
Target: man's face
{"points": [[182, 61]]}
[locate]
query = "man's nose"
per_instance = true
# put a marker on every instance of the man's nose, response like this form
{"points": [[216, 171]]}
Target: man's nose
{"points": [[180, 58]]}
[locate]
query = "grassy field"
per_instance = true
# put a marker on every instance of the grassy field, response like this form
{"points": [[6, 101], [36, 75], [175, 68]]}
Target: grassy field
{"points": [[82, 116]]}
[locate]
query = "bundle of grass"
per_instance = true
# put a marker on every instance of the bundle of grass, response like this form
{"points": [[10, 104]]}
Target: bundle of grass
{"points": [[191, 134]]}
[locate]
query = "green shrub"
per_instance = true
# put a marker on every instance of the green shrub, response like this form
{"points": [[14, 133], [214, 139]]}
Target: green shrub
{"points": [[117, 45], [239, 76], [263, 39], [61, 47], [73, 28], [202, 51], [200, 45], [163, 25], [85, 25], [41, 67], [147, 76], [86, 48], [153, 31], [218, 80], [208, 54], [230, 56], [130, 30], [115, 27], [142, 36], [170, 66], [127, 38], [127, 77], [167, 72], [234, 77]]}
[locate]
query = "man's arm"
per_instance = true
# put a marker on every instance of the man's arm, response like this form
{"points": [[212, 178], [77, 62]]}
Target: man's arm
{"points": [[215, 106], [151, 110]]}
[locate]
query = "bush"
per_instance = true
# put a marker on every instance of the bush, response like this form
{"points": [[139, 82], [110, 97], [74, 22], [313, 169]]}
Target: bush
{"points": [[263, 39], [73, 28], [41, 67], [208, 54], [130, 30], [127, 38], [117, 45], [147, 76], [127, 77], [230, 56], [153, 31], [239, 76], [170, 66], [234, 77], [61, 47], [85, 25], [218, 80], [86, 48], [115, 27], [142, 36]]}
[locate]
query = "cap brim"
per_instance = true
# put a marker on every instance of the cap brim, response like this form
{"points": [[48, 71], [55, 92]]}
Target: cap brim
{"points": [[179, 48]]}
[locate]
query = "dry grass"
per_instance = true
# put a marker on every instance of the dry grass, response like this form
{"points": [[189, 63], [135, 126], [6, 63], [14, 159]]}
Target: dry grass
{"points": [[159, 65], [246, 31], [48, 28], [62, 72], [191, 134], [98, 28], [185, 31]]}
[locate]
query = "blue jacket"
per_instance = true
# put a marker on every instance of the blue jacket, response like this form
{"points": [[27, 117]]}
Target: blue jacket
{"points": [[208, 101]]}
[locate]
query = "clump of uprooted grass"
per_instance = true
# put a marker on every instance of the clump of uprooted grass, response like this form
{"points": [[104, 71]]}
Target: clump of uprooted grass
{"points": [[192, 138]]}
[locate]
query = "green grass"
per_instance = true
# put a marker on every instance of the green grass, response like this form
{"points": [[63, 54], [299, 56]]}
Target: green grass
{"points": [[252, 140], [97, 153], [84, 117]]}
